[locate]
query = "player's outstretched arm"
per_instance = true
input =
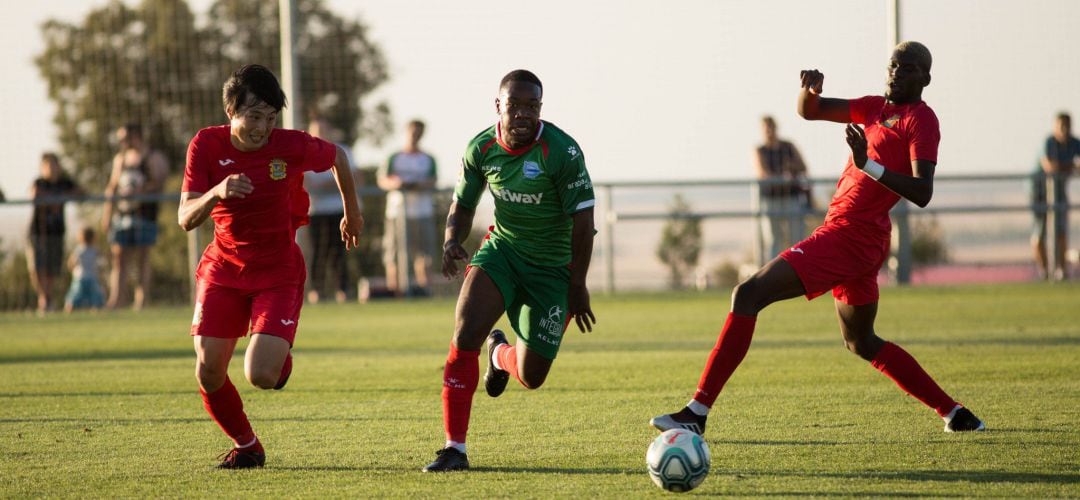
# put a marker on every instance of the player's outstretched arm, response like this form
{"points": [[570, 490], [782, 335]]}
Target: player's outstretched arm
{"points": [[581, 245], [458, 225], [814, 107], [918, 187], [196, 207], [352, 223]]}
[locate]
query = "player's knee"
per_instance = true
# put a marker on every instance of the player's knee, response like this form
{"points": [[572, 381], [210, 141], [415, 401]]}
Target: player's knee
{"points": [[263, 379], [210, 378], [745, 295], [532, 381]]}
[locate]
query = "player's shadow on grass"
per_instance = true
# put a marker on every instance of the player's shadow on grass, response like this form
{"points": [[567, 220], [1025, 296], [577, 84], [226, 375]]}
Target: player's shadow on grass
{"points": [[990, 476], [105, 355], [556, 470]]}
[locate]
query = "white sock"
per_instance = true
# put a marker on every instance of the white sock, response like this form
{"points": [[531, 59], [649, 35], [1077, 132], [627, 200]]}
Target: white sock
{"points": [[252, 443], [455, 445], [698, 408], [495, 357], [948, 418]]}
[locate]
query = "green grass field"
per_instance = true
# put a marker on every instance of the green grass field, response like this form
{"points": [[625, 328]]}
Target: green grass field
{"points": [[106, 405]]}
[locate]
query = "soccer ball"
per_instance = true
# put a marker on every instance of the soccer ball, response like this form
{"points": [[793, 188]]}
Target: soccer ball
{"points": [[678, 460]]}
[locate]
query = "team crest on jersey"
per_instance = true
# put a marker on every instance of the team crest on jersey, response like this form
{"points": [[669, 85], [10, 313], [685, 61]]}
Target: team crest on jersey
{"points": [[277, 169], [531, 169], [890, 121]]}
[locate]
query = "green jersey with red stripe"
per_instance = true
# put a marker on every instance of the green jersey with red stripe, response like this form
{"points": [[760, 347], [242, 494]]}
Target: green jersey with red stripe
{"points": [[536, 188]]}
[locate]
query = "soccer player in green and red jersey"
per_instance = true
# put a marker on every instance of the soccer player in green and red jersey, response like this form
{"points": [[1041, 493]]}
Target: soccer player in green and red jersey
{"points": [[532, 265], [247, 177], [893, 158]]}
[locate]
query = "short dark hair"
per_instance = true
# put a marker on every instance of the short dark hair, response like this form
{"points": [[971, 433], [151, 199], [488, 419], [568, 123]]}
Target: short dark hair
{"points": [[521, 75], [250, 82], [133, 129], [87, 234], [1064, 116]]}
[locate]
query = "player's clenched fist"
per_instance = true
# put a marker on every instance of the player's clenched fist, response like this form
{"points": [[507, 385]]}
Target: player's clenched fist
{"points": [[452, 252], [812, 80], [234, 186]]}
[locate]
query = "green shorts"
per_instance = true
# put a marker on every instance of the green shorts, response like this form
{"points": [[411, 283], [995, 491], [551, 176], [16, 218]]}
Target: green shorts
{"points": [[534, 296]]}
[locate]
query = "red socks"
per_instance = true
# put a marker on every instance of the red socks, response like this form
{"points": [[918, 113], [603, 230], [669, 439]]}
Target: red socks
{"points": [[729, 351], [508, 360], [460, 378], [898, 365], [226, 408]]}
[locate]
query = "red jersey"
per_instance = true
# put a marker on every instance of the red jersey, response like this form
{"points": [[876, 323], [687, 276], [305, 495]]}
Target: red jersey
{"points": [[895, 136], [254, 237]]}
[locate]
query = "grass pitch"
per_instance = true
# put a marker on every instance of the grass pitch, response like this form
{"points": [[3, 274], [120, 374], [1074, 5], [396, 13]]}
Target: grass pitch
{"points": [[106, 405]]}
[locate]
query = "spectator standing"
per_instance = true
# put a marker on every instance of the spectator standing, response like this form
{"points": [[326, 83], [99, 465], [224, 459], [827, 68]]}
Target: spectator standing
{"points": [[409, 178], [45, 255], [1059, 157], [84, 263], [131, 223], [785, 192], [328, 266]]}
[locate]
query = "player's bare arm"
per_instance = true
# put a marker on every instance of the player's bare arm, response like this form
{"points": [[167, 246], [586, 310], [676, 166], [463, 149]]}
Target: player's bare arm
{"points": [[110, 192], [458, 224], [581, 245], [195, 207], [918, 188], [814, 107], [352, 223]]}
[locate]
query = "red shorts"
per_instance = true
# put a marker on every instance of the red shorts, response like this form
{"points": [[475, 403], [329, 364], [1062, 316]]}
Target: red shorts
{"points": [[227, 313], [840, 259]]}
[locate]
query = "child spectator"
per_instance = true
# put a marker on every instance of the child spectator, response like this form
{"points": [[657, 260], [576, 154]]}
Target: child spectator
{"points": [[85, 288]]}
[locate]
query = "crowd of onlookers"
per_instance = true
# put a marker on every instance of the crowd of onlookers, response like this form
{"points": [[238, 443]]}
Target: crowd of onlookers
{"points": [[130, 218]]}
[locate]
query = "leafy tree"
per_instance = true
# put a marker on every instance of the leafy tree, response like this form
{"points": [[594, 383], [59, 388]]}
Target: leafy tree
{"points": [[156, 65], [680, 242]]}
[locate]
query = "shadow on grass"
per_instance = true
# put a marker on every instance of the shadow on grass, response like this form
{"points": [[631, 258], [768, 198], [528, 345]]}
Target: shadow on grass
{"points": [[171, 420], [101, 355], [990, 476], [763, 341], [473, 470]]}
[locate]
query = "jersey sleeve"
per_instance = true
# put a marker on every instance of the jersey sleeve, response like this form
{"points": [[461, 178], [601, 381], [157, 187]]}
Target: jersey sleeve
{"points": [[865, 109], [573, 183], [319, 155], [924, 136], [197, 169], [433, 172], [471, 181]]}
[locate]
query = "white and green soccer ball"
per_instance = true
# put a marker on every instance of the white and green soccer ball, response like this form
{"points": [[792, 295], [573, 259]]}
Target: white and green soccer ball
{"points": [[678, 460]]}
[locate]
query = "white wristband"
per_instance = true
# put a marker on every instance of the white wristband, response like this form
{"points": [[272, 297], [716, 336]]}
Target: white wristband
{"points": [[874, 169]]}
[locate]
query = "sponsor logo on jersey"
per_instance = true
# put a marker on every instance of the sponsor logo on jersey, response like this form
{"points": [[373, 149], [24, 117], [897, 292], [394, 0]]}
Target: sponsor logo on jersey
{"points": [[890, 121], [226, 162], [553, 324], [797, 250], [488, 169], [526, 198], [531, 169], [579, 183], [277, 169], [288, 322]]}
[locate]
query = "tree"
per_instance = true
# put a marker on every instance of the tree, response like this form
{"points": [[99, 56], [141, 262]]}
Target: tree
{"points": [[156, 65], [152, 64], [680, 241]]}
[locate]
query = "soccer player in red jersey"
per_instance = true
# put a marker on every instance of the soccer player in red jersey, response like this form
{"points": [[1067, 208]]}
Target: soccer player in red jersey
{"points": [[246, 176], [893, 157]]}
